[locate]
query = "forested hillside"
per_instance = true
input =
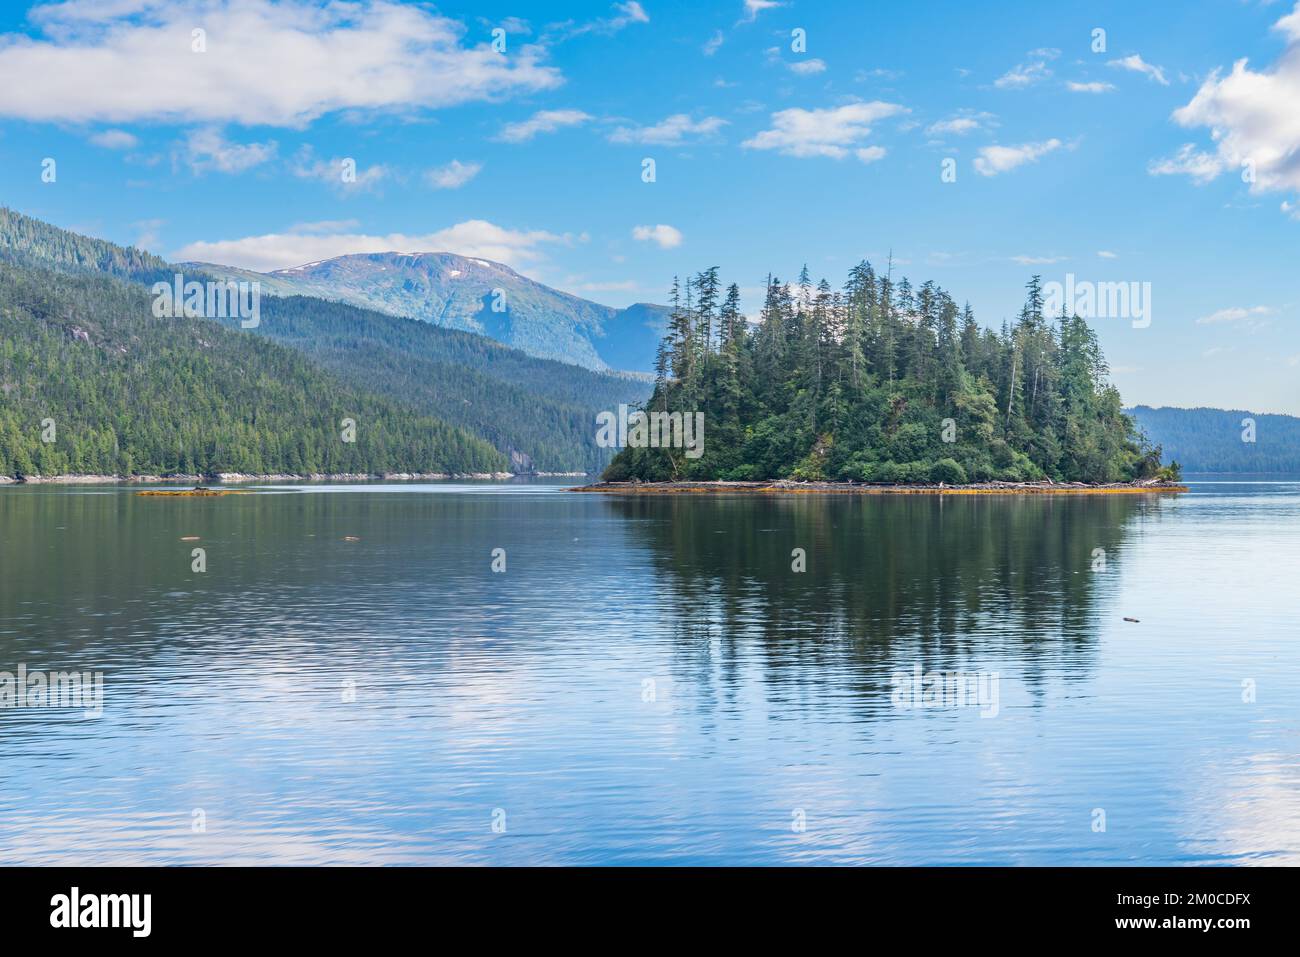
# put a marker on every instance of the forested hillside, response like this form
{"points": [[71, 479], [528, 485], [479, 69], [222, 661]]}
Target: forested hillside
{"points": [[880, 382], [541, 410], [34, 242], [1219, 440], [128, 393]]}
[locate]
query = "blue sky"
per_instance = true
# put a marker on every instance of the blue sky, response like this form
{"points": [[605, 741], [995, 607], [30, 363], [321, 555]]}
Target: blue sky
{"points": [[1127, 164]]}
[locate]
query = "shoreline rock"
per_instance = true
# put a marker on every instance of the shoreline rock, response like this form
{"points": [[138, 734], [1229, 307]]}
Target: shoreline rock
{"points": [[861, 488], [240, 478]]}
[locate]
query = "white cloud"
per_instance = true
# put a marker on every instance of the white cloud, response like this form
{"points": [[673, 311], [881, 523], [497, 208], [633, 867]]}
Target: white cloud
{"points": [[960, 124], [148, 233], [666, 237], [754, 7], [115, 140], [543, 121], [712, 43], [1095, 86], [1027, 74], [1000, 159], [207, 149], [1252, 120], [474, 237], [826, 132], [807, 67], [1234, 314], [1107, 254], [132, 60], [1136, 64], [630, 12], [454, 175], [343, 173], [1038, 260], [870, 154], [512, 25], [625, 14], [1189, 161], [672, 131]]}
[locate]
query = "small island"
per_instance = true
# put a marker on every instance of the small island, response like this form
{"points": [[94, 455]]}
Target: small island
{"points": [[862, 488], [878, 388]]}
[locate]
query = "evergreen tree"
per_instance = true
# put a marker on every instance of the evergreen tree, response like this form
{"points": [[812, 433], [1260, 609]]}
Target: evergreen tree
{"points": [[858, 385]]}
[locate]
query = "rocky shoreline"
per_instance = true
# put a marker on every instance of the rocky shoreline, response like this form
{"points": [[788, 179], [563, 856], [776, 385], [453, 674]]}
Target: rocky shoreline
{"points": [[1047, 487], [239, 478]]}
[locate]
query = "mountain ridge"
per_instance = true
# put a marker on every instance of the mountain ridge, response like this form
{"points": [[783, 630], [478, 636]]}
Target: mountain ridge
{"points": [[478, 295], [538, 413], [1204, 439]]}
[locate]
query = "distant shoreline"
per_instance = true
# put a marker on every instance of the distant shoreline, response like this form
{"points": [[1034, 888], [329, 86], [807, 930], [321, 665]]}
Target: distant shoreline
{"points": [[783, 486], [240, 478]]}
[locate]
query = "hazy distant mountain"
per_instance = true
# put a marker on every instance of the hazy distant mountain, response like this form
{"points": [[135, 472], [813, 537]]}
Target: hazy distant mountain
{"points": [[1214, 440], [453, 388], [477, 295]]}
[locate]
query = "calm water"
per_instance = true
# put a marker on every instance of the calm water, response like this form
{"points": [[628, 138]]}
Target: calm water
{"points": [[649, 681]]}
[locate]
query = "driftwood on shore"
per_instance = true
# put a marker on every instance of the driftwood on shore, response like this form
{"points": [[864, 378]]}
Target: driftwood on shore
{"points": [[863, 488]]}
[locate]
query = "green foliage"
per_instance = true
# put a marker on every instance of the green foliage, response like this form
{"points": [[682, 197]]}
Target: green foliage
{"points": [[33, 242], [948, 471], [541, 410], [881, 383], [540, 407], [133, 394], [1217, 440]]}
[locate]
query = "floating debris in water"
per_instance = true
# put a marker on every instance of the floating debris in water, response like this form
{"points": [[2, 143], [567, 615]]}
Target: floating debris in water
{"points": [[197, 490]]}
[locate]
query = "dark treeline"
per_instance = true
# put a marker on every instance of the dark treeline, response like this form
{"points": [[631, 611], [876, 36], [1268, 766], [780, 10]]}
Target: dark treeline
{"points": [[32, 242], [538, 408], [1222, 440], [128, 393], [881, 382]]}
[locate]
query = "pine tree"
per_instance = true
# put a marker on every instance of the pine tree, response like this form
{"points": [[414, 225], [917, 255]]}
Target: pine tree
{"points": [[856, 384]]}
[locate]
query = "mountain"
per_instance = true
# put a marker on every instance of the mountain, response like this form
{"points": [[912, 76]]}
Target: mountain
{"points": [[92, 383], [1211, 440], [539, 414], [476, 295]]}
